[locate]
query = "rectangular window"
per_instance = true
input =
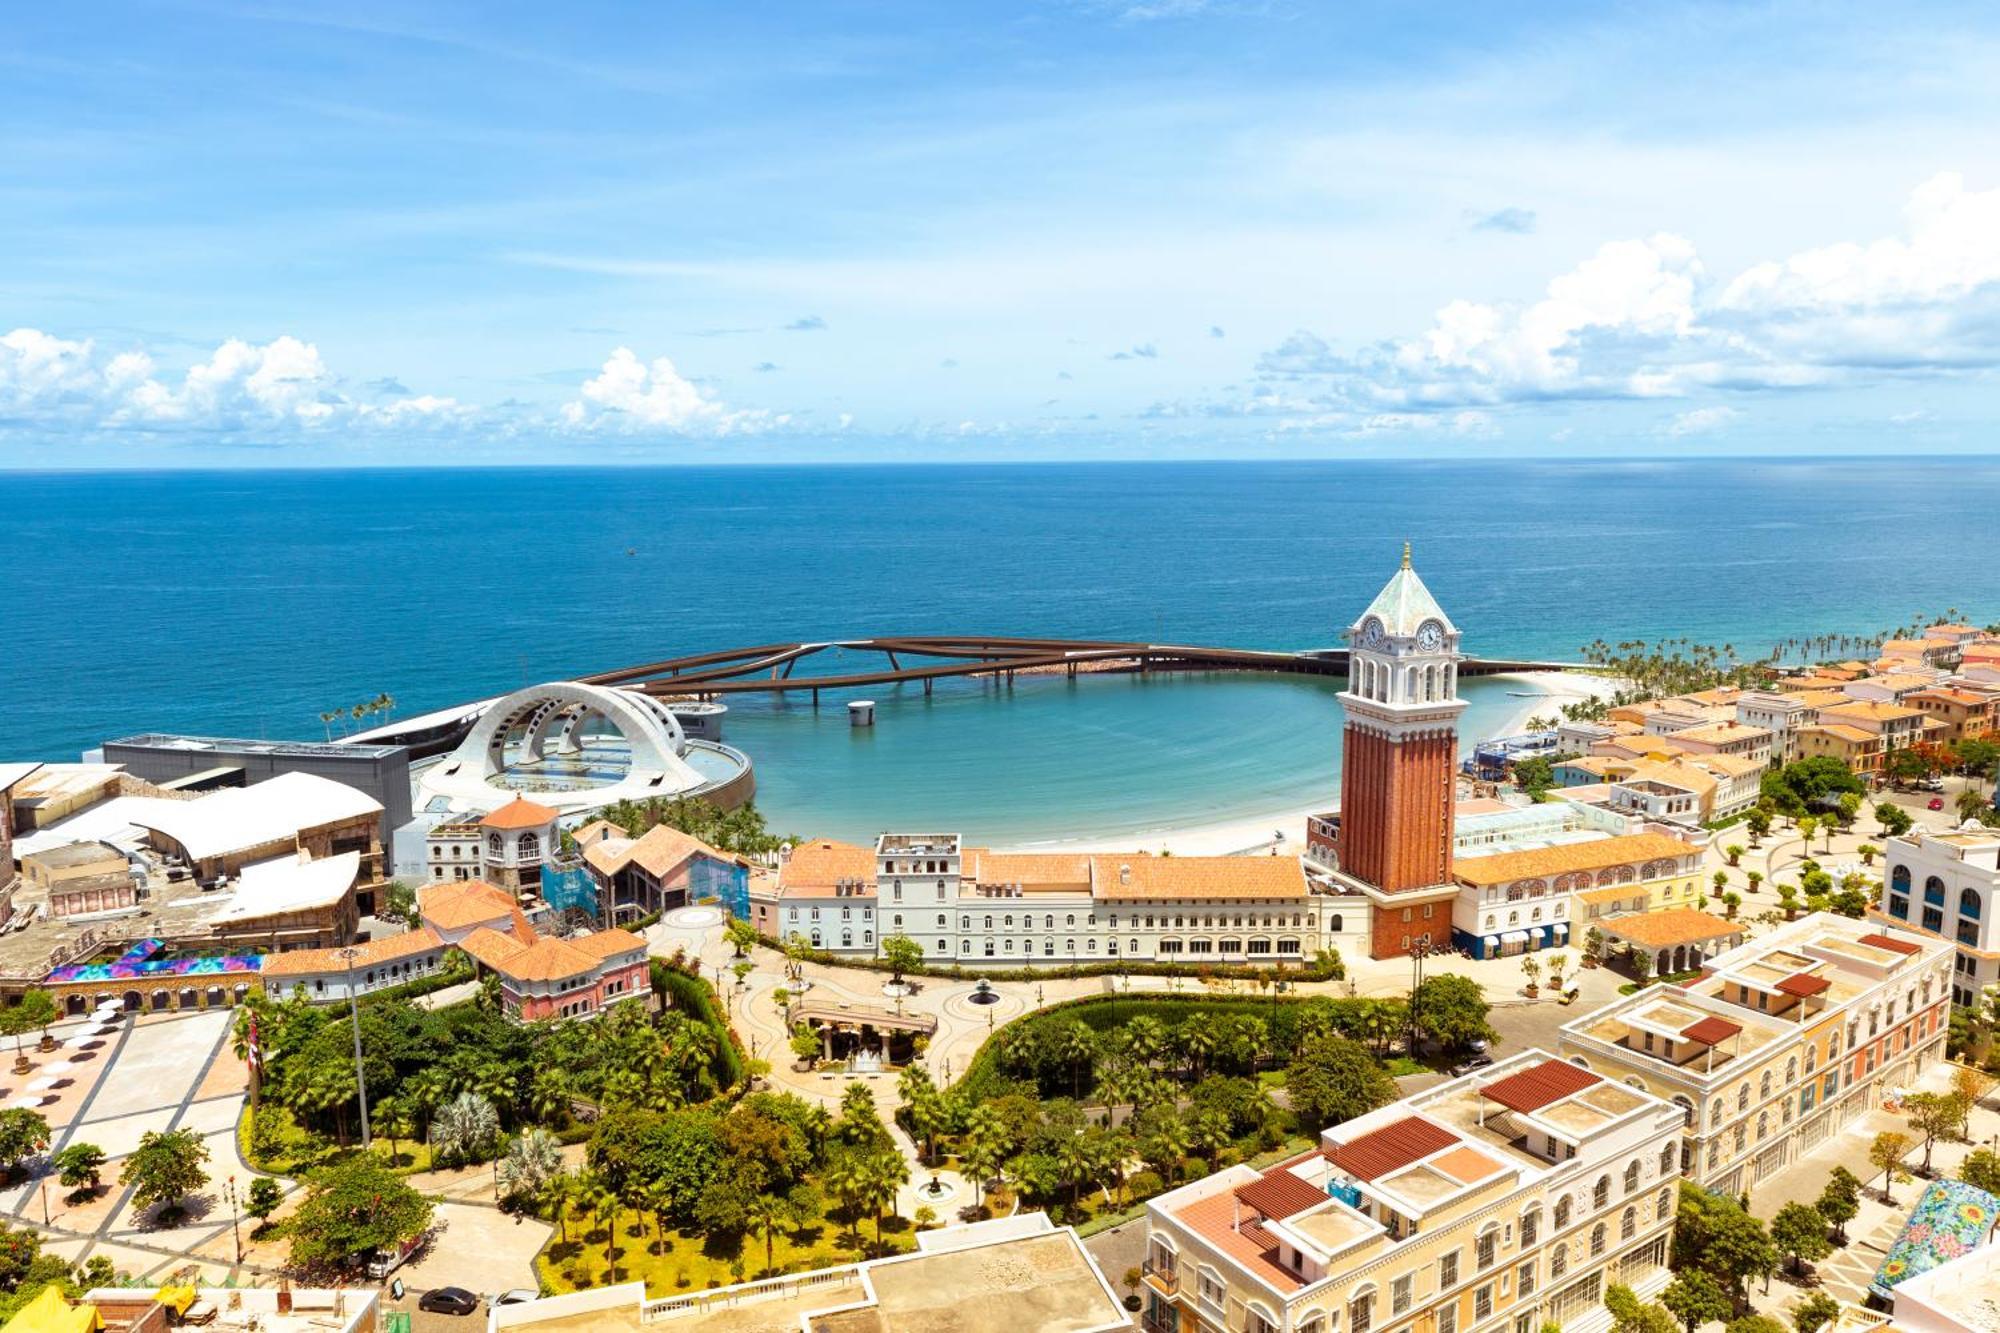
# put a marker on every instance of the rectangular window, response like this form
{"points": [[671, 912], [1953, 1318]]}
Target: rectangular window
{"points": [[1400, 1294], [1448, 1271], [1525, 1275], [1447, 1317], [1482, 1302], [1486, 1247]]}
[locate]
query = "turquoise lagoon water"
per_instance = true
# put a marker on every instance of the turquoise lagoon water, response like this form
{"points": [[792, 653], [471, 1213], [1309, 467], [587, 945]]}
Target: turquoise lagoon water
{"points": [[245, 603]]}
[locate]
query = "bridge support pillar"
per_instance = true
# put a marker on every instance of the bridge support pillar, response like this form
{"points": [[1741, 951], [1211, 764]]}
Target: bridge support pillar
{"points": [[815, 698], [928, 682]]}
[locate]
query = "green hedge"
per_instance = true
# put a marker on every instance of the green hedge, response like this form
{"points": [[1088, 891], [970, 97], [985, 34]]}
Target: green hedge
{"points": [[697, 999]]}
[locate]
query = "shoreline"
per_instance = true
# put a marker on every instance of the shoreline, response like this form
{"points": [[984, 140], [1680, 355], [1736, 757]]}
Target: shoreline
{"points": [[1252, 834]]}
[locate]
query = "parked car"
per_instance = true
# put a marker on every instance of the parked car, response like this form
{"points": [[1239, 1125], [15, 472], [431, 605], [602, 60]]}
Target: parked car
{"points": [[1469, 1064], [518, 1296], [448, 1300], [1936, 803]]}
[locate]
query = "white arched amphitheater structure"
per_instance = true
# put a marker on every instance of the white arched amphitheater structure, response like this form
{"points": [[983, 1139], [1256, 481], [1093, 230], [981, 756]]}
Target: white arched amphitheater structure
{"points": [[545, 722]]}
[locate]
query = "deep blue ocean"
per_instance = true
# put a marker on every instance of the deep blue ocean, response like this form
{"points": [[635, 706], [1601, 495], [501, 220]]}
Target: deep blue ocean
{"points": [[245, 603]]}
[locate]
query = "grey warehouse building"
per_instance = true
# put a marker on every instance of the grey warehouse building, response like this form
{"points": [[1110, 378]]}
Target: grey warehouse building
{"points": [[382, 771]]}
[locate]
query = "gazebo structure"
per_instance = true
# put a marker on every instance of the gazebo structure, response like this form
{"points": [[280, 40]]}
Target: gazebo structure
{"points": [[1677, 940], [860, 1029]]}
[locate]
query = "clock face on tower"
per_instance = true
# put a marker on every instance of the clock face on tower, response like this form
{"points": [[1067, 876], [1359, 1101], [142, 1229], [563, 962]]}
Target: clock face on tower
{"points": [[1371, 635], [1430, 638]]}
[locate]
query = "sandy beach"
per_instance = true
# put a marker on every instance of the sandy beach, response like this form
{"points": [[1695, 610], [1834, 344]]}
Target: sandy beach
{"points": [[1547, 691]]}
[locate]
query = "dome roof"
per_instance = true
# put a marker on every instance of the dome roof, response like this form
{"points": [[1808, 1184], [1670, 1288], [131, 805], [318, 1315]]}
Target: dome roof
{"points": [[1404, 604]]}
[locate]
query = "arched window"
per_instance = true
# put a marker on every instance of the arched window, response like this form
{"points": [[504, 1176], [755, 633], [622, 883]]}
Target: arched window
{"points": [[1597, 1234], [1531, 1226], [1792, 1070], [1968, 904], [1764, 1085], [1665, 1205], [1559, 1262], [1667, 1160], [1333, 924], [1600, 1193], [530, 845], [1628, 1225], [1763, 1125], [1562, 1212], [493, 843], [1743, 1098], [1631, 1176]]}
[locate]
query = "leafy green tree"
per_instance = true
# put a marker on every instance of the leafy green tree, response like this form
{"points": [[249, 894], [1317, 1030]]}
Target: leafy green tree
{"points": [[1981, 1168], [1630, 1315], [1451, 1010], [165, 1168], [1886, 1154], [1795, 788], [1814, 1312], [399, 904], [265, 1196], [742, 936], [903, 954], [1799, 1230], [531, 1160], [79, 1166], [1333, 1079], [22, 1133], [1695, 1298], [1754, 1323], [1717, 1236], [1837, 1207], [1931, 1114], [1893, 819], [351, 1210]]}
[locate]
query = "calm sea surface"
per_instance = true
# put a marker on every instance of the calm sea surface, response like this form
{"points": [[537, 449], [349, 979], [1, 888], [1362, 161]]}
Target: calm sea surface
{"points": [[247, 603]]}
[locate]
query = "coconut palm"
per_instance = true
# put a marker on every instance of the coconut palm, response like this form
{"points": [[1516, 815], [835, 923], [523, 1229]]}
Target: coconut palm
{"points": [[767, 1213], [883, 1173], [559, 1191]]}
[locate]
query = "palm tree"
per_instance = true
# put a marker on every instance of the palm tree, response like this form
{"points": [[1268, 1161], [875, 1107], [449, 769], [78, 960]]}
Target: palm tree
{"points": [[532, 1160], [605, 1205], [1199, 1038], [464, 1127], [847, 1177], [1970, 804], [768, 1213], [549, 1096], [559, 1191], [392, 1122], [883, 1174], [426, 1091]]}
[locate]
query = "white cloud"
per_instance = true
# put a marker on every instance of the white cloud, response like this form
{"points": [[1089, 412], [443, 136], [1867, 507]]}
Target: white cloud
{"points": [[1700, 421], [1642, 319], [630, 394]]}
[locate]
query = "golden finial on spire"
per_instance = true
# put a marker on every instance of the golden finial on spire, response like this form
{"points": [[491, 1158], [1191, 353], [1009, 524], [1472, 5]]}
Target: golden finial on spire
{"points": [[1406, 555]]}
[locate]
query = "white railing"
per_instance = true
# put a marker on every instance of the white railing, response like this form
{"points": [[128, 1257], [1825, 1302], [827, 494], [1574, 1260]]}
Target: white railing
{"points": [[770, 1288]]}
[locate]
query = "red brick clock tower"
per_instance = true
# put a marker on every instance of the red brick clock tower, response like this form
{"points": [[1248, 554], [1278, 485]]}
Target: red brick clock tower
{"points": [[1399, 757]]}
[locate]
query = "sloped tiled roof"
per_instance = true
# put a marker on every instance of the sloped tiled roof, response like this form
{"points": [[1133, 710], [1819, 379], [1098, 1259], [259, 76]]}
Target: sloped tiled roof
{"points": [[1153, 877], [1532, 1089], [1711, 1031], [1676, 925], [1892, 944], [1570, 856], [519, 813], [491, 948], [1404, 604], [1803, 984], [814, 868], [658, 851], [1278, 1194], [1391, 1147], [369, 953]]}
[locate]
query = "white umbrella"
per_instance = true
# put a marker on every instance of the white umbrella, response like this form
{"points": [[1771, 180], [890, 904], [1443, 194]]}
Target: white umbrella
{"points": [[24, 1103], [59, 1067], [42, 1085]]}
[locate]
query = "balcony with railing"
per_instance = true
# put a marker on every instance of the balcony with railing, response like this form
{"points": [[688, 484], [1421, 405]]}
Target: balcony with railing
{"points": [[1161, 1277]]}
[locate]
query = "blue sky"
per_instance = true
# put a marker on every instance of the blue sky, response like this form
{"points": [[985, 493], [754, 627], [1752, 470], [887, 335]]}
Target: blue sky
{"points": [[398, 233]]}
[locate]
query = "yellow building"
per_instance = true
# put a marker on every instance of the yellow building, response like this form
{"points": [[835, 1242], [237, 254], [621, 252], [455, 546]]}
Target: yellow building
{"points": [[1781, 1042], [1596, 878], [1508, 1199]]}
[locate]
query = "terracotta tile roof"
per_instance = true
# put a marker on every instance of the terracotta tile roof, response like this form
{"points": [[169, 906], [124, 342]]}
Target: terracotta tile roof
{"points": [[369, 953], [597, 830], [546, 960], [1721, 733], [1820, 698], [1391, 1148], [490, 947], [1711, 1031], [814, 868], [1028, 869], [1155, 877], [1466, 1165], [469, 902], [1846, 733], [1278, 1193], [1942, 694], [1676, 925], [1214, 1220], [1610, 894], [1803, 984], [659, 852], [520, 813], [1571, 856], [1532, 1089], [601, 944], [1892, 944]]}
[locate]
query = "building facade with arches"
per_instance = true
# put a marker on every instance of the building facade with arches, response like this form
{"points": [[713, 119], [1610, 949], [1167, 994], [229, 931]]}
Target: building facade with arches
{"points": [[1506, 1200], [1780, 1043], [1947, 886]]}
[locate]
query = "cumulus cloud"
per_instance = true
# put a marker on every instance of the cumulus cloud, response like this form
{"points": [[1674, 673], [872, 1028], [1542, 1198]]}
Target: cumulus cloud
{"points": [[52, 383], [1643, 318], [1700, 421], [806, 324], [649, 396], [1514, 221], [1142, 352]]}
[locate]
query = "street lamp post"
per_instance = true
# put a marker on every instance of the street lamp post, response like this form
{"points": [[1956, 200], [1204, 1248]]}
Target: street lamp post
{"points": [[234, 1229], [350, 953]]}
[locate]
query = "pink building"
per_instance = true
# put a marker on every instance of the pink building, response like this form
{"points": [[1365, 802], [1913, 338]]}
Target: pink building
{"points": [[552, 978]]}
